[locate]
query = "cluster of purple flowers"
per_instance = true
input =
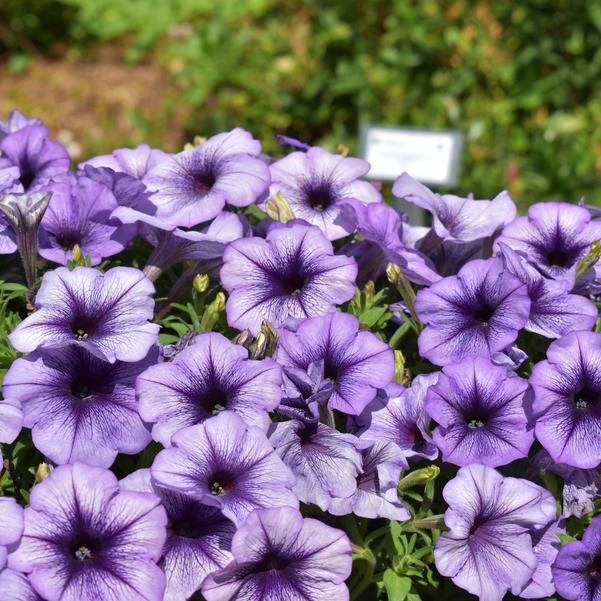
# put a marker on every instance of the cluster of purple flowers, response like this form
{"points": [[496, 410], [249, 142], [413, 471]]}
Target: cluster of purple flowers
{"points": [[245, 460]]}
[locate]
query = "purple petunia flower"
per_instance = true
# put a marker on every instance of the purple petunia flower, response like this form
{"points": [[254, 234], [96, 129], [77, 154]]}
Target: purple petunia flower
{"points": [[11, 422], [36, 158], [315, 183], [479, 407], [576, 568], [79, 407], [16, 121], [11, 527], [567, 400], [8, 243], [357, 362], [292, 273], [477, 312], [193, 186], [488, 547], [86, 540], [226, 463], [208, 376], [135, 162], [278, 554], [376, 494], [198, 542], [325, 462], [16, 586], [105, 313], [554, 236], [397, 414]]}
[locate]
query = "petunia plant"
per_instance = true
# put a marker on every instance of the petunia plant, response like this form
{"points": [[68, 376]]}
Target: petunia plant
{"points": [[227, 376]]}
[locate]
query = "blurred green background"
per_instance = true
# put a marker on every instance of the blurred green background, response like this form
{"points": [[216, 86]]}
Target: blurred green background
{"points": [[521, 79]]}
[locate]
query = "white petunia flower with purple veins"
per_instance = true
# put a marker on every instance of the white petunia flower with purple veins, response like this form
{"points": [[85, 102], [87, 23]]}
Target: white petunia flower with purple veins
{"points": [[292, 273], [280, 555], [11, 528], [488, 547], [86, 540], [567, 400], [11, 421], [316, 183], [477, 312], [376, 494], [210, 375], [480, 409], [105, 313], [199, 537], [397, 414], [357, 362], [16, 121], [79, 407], [135, 162], [228, 464], [193, 186], [554, 312], [554, 236]]}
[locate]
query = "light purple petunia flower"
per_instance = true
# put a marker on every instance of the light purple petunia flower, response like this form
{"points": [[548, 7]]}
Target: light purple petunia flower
{"points": [[11, 527], [193, 186], [316, 182], [105, 313], [479, 407], [567, 398], [8, 243], [278, 554], [477, 312], [554, 312], [376, 494], [16, 586], [554, 236], [86, 540], [198, 542], [357, 362], [488, 548], [79, 407], [135, 162], [226, 463], [576, 570], [16, 121], [37, 159], [292, 273], [325, 462], [208, 376], [397, 414], [11, 422]]}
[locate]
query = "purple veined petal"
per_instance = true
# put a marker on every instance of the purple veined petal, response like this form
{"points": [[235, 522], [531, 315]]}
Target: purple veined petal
{"points": [[16, 121], [11, 527], [16, 586], [135, 162]]}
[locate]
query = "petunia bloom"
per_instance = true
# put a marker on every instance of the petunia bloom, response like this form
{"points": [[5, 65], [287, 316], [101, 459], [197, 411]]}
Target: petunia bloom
{"points": [[488, 548], [292, 273], [193, 186], [208, 376], [16, 586], [84, 539], [79, 407], [16, 121], [316, 183], [11, 421], [567, 400], [477, 312], [198, 542], [226, 463], [105, 313], [11, 527], [278, 554], [135, 162], [357, 362]]}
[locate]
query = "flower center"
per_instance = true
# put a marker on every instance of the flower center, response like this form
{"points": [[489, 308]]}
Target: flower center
{"points": [[67, 240], [586, 398], [220, 483], [83, 549], [483, 314], [594, 569], [188, 526], [204, 180], [474, 424], [560, 257], [292, 284], [82, 327], [81, 390], [320, 195], [26, 175], [213, 401], [330, 370], [272, 561]]}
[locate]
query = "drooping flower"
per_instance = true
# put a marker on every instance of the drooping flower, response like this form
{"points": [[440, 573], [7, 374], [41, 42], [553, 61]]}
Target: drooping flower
{"points": [[135, 162], [567, 400], [226, 463], [11, 422], [357, 362], [315, 183], [488, 548], [11, 527], [292, 273], [208, 376], [278, 554], [576, 569], [16, 586], [477, 312], [199, 537], [554, 236], [105, 313], [193, 186], [37, 158], [79, 407], [325, 462], [479, 407], [376, 494], [16, 121], [84, 539], [397, 414]]}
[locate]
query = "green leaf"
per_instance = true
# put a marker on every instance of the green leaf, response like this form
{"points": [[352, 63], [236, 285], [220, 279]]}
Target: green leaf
{"points": [[397, 587]]}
